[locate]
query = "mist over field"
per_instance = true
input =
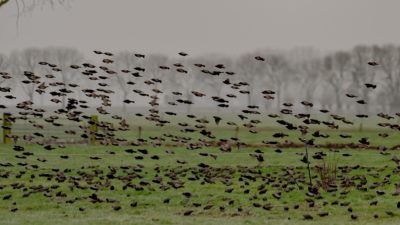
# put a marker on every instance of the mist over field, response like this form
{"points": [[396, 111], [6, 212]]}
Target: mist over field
{"points": [[296, 75]]}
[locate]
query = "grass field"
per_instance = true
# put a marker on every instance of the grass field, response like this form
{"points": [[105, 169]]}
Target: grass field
{"points": [[265, 129], [226, 171], [89, 184]]}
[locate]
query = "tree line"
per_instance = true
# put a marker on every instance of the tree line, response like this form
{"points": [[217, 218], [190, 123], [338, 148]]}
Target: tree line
{"points": [[295, 75]]}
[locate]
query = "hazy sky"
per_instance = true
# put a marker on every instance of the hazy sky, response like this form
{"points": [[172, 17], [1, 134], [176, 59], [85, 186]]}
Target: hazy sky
{"points": [[203, 26]]}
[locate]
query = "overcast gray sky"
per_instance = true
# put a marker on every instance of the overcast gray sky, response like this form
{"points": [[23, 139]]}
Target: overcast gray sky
{"points": [[206, 26]]}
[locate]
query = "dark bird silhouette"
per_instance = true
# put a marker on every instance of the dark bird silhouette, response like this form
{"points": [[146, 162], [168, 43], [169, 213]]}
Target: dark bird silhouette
{"points": [[182, 54], [259, 58], [373, 63], [372, 86]]}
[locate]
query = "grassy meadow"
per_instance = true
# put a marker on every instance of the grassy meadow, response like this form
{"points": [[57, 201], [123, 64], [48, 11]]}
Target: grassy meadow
{"points": [[173, 185]]}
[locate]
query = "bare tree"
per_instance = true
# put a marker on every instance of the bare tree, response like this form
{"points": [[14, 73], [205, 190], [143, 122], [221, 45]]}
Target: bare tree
{"points": [[336, 68], [126, 81], [26, 61], [156, 75], [3, 2], [361, 72], [188, 80], [250, 70], [308, 73], [24, 7], [3, 66], [170, 83], [215, 83], [388, 57], [307, 65], [278, 72], [64, 58], [30, 5]]}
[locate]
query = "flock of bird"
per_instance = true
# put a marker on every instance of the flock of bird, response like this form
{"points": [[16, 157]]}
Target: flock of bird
{"points": [[134, 177], [74, 108]]}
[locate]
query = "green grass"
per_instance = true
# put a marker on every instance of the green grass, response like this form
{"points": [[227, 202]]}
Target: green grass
{"points": [[228, 166], [265, 129], [38, 209]]}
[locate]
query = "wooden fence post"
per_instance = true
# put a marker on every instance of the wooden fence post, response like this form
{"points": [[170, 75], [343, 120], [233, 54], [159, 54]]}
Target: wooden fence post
{"points": [[140, 132], [94, 121], [7, 128], [360, 127], [237, 132]]}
